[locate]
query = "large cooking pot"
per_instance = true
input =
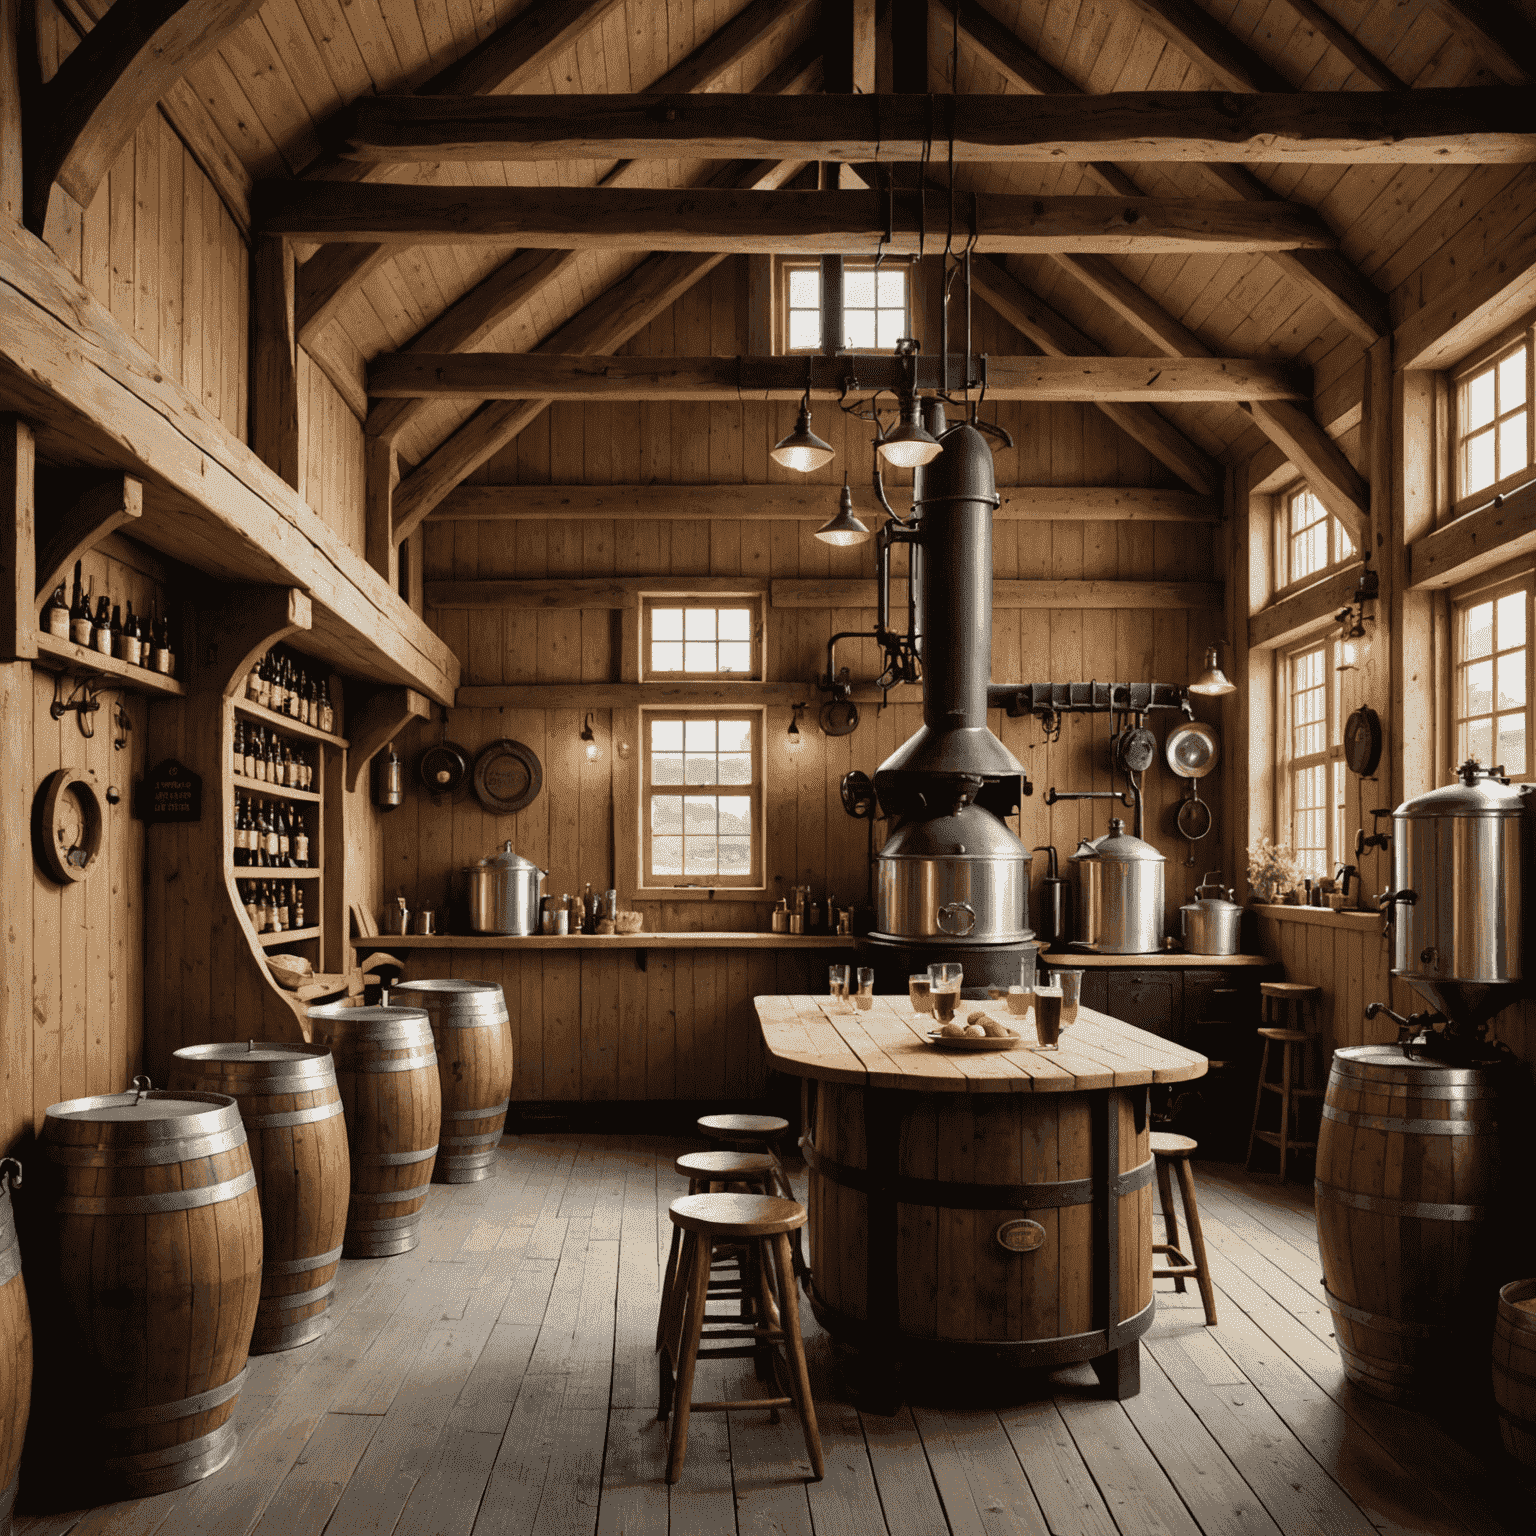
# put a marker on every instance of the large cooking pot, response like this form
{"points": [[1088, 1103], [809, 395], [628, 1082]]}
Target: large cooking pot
{"points": [[1209, 925], [504, 893], [1459, 857], [961, 879], [1119, 894]]}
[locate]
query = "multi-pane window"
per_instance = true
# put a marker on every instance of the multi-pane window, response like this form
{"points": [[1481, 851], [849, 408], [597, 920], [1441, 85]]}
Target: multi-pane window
{"points": [[701, 639], [1311, 541], [1491, 677], [702, 811], [1493, 447], [874, 307], [1312, 772]]}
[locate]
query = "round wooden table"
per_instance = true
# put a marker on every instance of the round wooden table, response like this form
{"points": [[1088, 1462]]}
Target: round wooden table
{"points": [[975, 1210]]}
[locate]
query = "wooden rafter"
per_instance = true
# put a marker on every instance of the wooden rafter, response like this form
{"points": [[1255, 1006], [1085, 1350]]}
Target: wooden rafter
{"points": [[503, 62], [1496, 32], [1348, 295], [81, 119], [1345, 42], [724, 380], [1207, 43], [519, 281], [1461, 126], [776, 222]]}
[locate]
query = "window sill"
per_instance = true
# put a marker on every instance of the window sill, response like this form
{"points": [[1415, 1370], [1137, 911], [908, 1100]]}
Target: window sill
{"points": [[752, 893], [1319, 917]]}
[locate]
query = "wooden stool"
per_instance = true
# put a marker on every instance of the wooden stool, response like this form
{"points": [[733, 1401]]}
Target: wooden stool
{"points": [[1284, 1006], [1168, 1148], [751, 1133], [706, 1172], [759, 1225]]}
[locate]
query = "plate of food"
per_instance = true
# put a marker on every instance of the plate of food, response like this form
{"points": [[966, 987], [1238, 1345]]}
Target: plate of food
{"points": [[980, 1032]]}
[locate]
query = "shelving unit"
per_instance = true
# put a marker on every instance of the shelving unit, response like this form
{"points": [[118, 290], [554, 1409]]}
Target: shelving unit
{"points": [[252, 872], [263, 716], [273, 791], [287, 936], [62, 655]]}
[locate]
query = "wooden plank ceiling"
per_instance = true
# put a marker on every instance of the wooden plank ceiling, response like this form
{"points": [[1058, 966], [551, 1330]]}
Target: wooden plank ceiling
{"points": [[278, 89]]}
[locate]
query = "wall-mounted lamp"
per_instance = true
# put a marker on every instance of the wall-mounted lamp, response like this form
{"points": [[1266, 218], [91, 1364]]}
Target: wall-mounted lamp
{"points": [[793, 737], [589, 741], [1213, 682], [845, 528], [1355, 639]]}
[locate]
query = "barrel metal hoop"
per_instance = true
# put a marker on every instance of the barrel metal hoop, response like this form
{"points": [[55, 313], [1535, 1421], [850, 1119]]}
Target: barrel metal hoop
{"points": [[473, 1141], [393, 1159], [158, 1204], [300, 1266], [157, 1154], [291, 1301], [478, 1114], [284, 1117], [485, 1021], [1425, 1085], [1525, 1378], [976, 1197], [169, 1413], [404, 1064], [365, 1197], [1410, 1127], [1381, 1205], [1384, 1324], [141, 1466]]}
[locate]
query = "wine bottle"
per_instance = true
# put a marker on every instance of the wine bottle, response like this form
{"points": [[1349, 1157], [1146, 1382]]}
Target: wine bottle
{"points": [[327, 714], [293, 692], [80, 625], [56, 614], [268, 908], [101, 630], [298, 904], [273, 852], [115, 632], [284, 837], [300, 843], [237, 755], [237, 837], [280, 911], [133, 649], [307, 714]]}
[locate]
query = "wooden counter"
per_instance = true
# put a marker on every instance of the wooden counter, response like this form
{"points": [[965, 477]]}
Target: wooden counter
{"points": [[970, 1211], [572, 941], [1162, 959]]}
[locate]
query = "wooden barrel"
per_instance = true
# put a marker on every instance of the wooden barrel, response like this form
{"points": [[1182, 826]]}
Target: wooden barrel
{"points": [[15, 1347], [291, 1107], [970, 1229], [159, 1277], [1514, 1369], [1407, 1191], [473, 1037], [386, 1070]]}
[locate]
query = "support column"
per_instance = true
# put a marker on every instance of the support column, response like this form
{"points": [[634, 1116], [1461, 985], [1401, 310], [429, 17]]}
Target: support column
{"points": [[18, 557], [276, 430], [382, 470]]}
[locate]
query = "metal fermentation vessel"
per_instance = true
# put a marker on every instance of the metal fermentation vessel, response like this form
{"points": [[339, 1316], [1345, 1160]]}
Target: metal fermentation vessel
{"points": [[1119, 894], [952, 880]]}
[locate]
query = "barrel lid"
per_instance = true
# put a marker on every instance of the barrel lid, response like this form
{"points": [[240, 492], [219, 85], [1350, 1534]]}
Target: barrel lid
{"points": [[254, 1051], [446, 984], [340, 1013], [153, 1105], [1390, 1060]]}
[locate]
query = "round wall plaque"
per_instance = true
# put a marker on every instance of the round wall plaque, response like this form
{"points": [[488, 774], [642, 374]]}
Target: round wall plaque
{"points": [[1022, 1236], [508, 776], [1362, 741], [70, 825]]}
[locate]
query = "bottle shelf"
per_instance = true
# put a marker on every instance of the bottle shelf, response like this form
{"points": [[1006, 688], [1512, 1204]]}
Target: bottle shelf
{"points": [[286, 936], [276, 791], [251, 710], [60, 654], [269, 872]]}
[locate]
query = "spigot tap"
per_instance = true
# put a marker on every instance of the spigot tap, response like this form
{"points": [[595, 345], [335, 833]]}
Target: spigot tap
{"points": [[1382, 840]]}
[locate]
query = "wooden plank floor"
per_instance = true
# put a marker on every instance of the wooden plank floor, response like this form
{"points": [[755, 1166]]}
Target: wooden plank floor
{"points": [[500, 1380]]}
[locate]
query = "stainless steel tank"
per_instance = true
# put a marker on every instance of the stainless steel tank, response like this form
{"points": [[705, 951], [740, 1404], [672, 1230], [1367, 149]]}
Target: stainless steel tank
{"points": [[1119, 894], [962, 878], [1460, 856]]}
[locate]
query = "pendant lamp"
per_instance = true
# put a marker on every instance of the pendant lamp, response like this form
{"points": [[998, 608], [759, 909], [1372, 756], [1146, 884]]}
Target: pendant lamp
{"points": [[845, 528], [802, 449], [1212, 682], [910, 444]]}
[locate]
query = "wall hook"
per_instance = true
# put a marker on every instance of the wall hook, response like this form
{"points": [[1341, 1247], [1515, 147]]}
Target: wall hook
{"points": [[81, 699]]}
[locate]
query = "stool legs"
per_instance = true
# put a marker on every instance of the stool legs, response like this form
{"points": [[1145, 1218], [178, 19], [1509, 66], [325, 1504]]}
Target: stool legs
{"points": [[1258, 1104], [1285, 1105], [800, 1380], [1170, 1216], [693, 1327], [1197, 1241]]}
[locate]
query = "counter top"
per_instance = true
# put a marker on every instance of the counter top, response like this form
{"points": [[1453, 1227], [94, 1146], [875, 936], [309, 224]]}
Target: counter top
{"points": [[886, 1046], [602, 941], [1074, 960]]}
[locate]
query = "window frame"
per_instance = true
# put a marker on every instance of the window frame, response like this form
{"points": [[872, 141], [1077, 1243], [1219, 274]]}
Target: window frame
{"points": [[752, 601], [1331, 758], [1285, 584], [756, 878], [1486, 589], [1458, 380], [788, 264]]}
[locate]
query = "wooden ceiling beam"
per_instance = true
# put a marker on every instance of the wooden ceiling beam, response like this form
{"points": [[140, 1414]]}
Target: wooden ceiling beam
{"points": [[803, 501], [776, 223], [79, 121], [504, 61], [1343, 41], [728, 380], [1496, 33], [1207, 43], [1460, 126], [1056, 337], [1346, 293]]}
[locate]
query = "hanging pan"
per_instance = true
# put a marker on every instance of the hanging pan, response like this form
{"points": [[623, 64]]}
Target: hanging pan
{"points": [[443, 768], [1192, 749], [1194, 819]]}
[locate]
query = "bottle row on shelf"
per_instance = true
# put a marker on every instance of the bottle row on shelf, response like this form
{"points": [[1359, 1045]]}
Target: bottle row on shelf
{"points": [[262, 756], [269, 835], [273, 906], [282, 683], [140, 641]]}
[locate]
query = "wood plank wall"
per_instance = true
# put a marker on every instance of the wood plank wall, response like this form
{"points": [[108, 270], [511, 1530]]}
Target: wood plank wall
{"points": [[87, 939], [332, 436], [810, 840]]}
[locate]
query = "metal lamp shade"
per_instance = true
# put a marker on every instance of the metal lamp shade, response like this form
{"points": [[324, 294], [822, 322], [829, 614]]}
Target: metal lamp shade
{"points": [[802, 449], [845, 528]]}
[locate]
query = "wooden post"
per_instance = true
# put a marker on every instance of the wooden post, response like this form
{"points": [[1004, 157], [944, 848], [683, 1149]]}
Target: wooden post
{"points": [[11, 170], [276, 429], [382, 471], [18, 559]]}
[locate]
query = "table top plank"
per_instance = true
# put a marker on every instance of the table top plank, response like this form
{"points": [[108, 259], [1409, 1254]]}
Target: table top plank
{"points": [[886, 1046]]}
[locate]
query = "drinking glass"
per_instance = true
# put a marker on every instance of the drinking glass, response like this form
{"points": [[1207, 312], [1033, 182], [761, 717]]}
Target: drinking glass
{"points": [[944, 983], [1071, 984], [1019, 1000], [917, 990], [864, 979], [1048, 1017], [1027, 969], [837, 979]]}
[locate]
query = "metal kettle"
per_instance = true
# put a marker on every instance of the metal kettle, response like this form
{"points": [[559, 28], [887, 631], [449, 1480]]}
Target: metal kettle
{"points": [[1211, 925], [1119, 894]]}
